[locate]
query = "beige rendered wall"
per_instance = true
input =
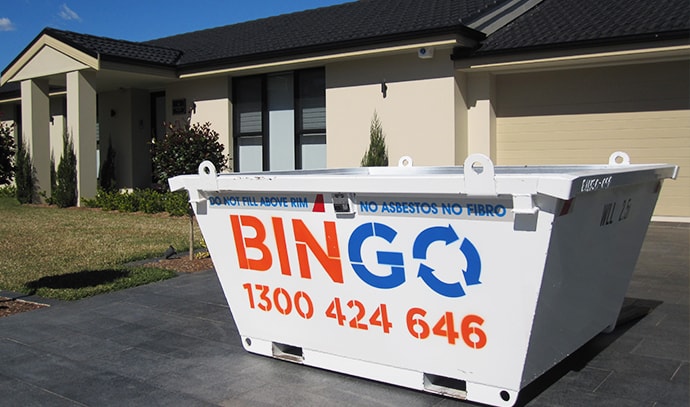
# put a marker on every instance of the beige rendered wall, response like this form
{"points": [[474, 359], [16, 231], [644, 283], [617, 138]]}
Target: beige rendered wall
{"points": [[114, 118], [582, 116], [58, 127], [140, 130], [418, 114], [212, 99]]}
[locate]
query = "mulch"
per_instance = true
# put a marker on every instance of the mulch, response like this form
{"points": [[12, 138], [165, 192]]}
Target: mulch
{"points": [[182, 264], [11, 306]]}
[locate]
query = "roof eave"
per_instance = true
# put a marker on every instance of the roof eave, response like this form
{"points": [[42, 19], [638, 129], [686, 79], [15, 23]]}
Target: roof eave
{"points": [[533, 60], [600, 42], [471, 36]]}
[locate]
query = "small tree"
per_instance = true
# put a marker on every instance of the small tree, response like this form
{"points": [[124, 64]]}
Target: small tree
{"points": [[181, 151], [377, 153], [7, 152], [183, 148], [25, 176], [65, 193]]}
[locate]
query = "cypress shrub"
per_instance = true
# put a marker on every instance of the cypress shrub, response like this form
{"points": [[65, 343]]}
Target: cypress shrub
{"points": [[377, 153], [65, 193], [25, 176]]}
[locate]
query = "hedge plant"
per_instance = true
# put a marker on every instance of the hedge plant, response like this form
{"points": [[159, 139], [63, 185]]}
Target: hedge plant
{"points": [[140, 200]]}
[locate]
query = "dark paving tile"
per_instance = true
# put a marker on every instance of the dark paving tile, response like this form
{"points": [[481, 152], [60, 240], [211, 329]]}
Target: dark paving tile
{"points": [[79, 347], [105, 389], [223, 332], [11, 349], [48, 371], [31, 332], [17, 393], [135, 313], [565, 397], [165, 398], [681, 375], [138, 363], [645, 390]]}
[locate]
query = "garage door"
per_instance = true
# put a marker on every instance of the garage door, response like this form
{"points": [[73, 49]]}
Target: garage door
{"points": [[582, 116]]}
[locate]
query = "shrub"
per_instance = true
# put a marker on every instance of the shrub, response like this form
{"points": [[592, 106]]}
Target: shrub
{"points": [[126, 202], [150, 201], [7, 152], [25, 176], [377, 153], [177, 203], [8, 191], [65, 193], [145, 200], [95, 202], [183, 148]]}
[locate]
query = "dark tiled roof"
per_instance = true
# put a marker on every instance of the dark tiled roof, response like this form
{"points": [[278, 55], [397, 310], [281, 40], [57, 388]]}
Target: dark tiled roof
{"points": [[559, 23], [552, 23], [112, 49], [360, 22]]}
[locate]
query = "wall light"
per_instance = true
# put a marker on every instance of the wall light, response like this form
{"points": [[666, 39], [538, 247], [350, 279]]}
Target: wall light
{"points": [[192, 108], [384, 88]]}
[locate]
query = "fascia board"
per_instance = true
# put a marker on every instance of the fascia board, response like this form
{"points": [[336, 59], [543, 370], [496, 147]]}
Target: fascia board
{"points": [[582, 59], [46, 40], [323, 58]]}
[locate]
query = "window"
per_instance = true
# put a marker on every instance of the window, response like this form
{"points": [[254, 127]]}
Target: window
{"points": [[280, 121]]}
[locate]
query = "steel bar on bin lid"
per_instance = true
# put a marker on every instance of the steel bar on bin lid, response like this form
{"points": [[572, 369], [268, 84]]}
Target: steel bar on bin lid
{"points": [[559, 181], [472, 307]]}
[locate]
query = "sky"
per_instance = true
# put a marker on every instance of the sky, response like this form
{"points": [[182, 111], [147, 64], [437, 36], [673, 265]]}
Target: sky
{"points": [[133, 20]]}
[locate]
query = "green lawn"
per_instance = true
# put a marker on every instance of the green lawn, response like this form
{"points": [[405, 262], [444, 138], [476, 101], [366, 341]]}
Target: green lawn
{"points": [[73, 253]]}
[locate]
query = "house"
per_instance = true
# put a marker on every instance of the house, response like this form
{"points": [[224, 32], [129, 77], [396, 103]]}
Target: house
{"points": [[522, 81]]}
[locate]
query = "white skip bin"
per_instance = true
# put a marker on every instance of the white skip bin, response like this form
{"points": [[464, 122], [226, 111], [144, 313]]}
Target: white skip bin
{"points": [[464, 281]]}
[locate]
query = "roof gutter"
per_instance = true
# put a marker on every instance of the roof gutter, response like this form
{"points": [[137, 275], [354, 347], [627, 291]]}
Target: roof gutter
{"points": [[676, 52], [460, 34], [317, 59]]}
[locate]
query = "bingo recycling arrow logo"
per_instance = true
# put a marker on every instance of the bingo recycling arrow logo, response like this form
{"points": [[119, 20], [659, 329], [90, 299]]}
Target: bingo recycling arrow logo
{"points": [[448, 235]]}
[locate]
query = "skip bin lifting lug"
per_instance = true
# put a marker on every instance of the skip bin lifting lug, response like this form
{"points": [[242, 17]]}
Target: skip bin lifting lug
{"points": [[208, 178], [479, 176]]}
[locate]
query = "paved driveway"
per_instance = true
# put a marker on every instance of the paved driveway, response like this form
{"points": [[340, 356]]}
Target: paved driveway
{"points": [[174, 343]]}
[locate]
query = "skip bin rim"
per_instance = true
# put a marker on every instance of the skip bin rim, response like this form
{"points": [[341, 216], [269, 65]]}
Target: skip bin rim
{"points": [[559, 181]]}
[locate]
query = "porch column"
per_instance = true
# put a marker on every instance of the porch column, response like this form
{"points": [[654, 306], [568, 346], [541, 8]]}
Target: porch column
{"points": [[36, 128], [481, 116], [81, 125]]}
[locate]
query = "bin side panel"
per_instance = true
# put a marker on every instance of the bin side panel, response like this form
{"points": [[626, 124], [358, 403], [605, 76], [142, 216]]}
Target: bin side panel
{"points": [[438, 292], [591, 258]]}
